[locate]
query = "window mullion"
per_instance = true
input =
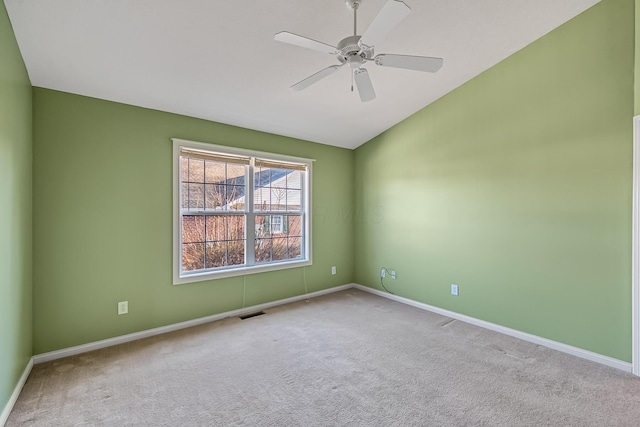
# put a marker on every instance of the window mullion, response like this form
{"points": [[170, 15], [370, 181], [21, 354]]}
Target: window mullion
{"points": [[250, 230]]}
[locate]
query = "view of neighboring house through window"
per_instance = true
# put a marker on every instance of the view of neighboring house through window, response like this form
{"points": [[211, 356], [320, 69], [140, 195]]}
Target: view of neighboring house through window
{"points": [[238, 212], [276, 224]]}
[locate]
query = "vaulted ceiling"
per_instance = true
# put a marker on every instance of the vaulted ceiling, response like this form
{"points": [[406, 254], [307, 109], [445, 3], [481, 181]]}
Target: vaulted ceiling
{"points": [[218, 60]]}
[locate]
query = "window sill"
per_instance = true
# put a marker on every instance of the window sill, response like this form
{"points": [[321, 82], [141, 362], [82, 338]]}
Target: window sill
{"points": [[241, 271]]}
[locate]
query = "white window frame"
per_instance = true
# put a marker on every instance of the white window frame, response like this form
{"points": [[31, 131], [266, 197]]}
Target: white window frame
{"points": [[180, 278]]}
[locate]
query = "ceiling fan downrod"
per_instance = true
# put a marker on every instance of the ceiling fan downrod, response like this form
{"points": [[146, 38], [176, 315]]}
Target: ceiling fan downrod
{"points": [[354, 5]]}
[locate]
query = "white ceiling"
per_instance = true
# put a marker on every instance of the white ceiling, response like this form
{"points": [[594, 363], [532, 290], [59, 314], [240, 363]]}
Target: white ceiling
{"points": [[217, 60]]}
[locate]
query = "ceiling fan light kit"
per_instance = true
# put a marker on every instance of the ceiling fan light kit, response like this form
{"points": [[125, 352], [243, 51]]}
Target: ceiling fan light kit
{"points": [[357, 50]]}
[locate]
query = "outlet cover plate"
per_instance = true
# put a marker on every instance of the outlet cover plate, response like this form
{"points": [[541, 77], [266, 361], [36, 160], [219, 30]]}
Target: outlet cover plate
{"points": [[123, 307], [454, 290]]}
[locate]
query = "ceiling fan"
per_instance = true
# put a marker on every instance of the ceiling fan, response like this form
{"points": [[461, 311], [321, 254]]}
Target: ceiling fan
{"points": [[358, 50]]}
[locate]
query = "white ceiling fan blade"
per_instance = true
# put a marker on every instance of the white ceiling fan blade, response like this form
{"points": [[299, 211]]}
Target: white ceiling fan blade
{"points": [[391, 14], [363, 83], [303, 84], [296, 40], [418, 63]]}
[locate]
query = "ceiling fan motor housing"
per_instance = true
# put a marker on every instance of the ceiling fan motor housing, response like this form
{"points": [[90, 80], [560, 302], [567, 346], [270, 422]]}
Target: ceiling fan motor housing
{"points": [[349, 47]]}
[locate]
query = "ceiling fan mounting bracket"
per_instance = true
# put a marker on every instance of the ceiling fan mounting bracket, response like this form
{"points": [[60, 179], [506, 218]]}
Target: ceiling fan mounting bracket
{"points": [[353, 4]]}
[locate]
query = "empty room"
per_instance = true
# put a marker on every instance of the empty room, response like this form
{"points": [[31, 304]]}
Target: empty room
{"points": [[318, 213]]}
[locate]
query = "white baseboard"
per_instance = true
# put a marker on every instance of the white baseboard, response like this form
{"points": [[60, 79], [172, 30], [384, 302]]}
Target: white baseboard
{"points": [[555, 345], [16, 392], [71, 351]]}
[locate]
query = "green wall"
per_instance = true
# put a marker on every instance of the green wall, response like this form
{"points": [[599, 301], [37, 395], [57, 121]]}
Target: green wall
{"points": [[637, 59], [15, 212], [517, 187], [103, 221]]}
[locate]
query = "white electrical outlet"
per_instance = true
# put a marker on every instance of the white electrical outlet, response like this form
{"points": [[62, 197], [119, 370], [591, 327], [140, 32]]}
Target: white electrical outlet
{"points": [[383, 273], [393, 274], [333, 270], [454, 290], [123, 307]]}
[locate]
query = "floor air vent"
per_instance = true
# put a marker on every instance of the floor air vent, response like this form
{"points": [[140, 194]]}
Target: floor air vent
{"points": [[250, 315]]}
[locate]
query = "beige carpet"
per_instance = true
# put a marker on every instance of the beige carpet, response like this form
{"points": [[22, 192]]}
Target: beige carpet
{"points": [[345, 359]]}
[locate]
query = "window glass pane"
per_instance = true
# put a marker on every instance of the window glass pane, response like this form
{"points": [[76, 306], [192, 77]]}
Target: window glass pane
{"points": [[192, 256], [261, 177], [236, 227], [184, 169], [196, 196], [234, 194], [261, 194], [236, 252], [277, 189], [225, 240], [192, 229], [279, 249], [293, 225], [279, 178], [214, 172], [237, 205], [294, 247], [184, 194], [276, 224], [196, 170], [294, 181], [235, 174], [278, 199], [215, 194], [262, 199], [263, 250], [216, 228], [293, 200], [263, 228], [216, 254], [209, 196]]}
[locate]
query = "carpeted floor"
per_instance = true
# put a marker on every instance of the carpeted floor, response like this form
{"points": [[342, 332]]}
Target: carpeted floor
{"points": [[345, 359]]}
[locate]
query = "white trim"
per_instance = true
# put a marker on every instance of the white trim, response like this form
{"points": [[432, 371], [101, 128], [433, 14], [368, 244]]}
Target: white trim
{"points": [[176, 214], [71, 351], [574, 351], [241, 151], [240, 271], [307, 189], [249, 197], [16, 393], [635, 251]]}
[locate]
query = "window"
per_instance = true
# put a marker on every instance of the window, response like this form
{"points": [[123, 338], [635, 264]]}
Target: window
{"points": [[238, 211]]}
